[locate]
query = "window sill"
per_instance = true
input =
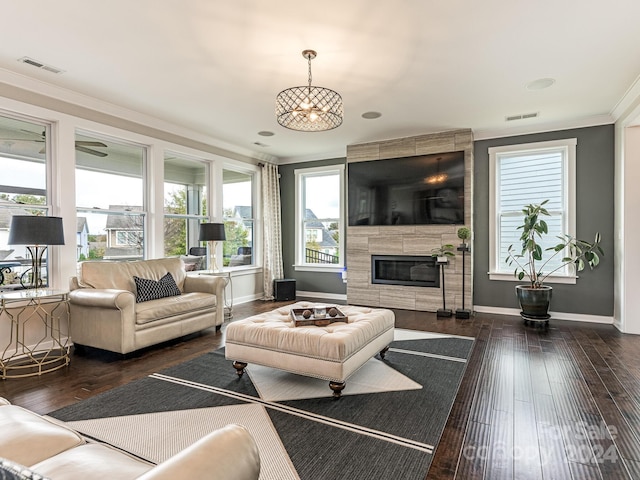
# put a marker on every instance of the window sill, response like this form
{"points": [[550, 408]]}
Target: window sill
{"points": [[318, 268], [558, 279]]}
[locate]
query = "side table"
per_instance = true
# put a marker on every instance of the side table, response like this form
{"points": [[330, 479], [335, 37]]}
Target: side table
{"points": [[36, 342], [228, 299]]}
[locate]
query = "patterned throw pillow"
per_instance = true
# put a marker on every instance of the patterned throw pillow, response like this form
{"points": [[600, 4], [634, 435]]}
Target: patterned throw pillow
{"points": [[14, 471], [152, 289]]}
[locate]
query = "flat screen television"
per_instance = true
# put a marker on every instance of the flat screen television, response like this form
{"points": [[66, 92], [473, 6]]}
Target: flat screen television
{"points": [[418, 190]]}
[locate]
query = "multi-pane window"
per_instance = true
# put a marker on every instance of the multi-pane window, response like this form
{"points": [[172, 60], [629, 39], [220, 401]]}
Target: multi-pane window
{"points": [[238, 212], [185, 191], [23, 190], [319, 219], [110, 199], [531, 174]]}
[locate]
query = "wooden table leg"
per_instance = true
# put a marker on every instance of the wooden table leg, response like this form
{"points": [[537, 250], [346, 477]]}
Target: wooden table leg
{"points": [[239, 366]]}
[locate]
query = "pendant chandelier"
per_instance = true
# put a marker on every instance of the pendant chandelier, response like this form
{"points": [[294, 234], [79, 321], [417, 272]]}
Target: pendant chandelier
{"points": [[307, 108]]}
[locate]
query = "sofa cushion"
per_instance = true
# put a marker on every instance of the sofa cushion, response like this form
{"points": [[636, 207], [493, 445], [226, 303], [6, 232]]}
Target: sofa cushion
{"points": [[162, 308], [93, 461], [147, 289], [119, 275], [14, 471], [28, 438]]}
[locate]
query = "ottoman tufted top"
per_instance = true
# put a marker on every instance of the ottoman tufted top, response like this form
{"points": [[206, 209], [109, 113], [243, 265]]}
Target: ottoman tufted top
{"points": [[337, 341]]}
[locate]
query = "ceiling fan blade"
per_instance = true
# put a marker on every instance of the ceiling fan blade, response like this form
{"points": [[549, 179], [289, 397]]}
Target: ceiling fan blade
{"points": [[86, 143], [41, 135], [90, 151]]}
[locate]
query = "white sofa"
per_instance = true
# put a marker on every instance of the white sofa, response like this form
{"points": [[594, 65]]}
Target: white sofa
{"points": [[53, 450], [104, 312]]}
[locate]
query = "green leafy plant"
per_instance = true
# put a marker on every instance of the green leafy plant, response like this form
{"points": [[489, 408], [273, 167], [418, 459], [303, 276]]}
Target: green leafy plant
{"points": [[443, 251], [464, 234], [579, 252]]}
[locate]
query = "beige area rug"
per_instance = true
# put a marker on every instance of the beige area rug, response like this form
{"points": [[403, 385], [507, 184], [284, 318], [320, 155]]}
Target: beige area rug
{"points": [[373, 377], [158, 436]]}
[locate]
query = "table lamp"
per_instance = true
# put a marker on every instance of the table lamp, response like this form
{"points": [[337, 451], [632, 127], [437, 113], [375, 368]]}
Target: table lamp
{"points": [[212, 233], [36, 232]]}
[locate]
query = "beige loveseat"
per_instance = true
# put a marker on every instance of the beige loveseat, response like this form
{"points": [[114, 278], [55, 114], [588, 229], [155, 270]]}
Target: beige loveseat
{"points": [[55, 451], [104, 312]]}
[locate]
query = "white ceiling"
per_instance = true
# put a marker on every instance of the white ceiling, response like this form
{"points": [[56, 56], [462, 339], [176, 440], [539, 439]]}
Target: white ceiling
{"points": [[215, 67]]}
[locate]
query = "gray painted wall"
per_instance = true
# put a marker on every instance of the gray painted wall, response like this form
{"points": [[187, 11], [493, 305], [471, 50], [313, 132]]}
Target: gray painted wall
{"points": [[305, 281], [593, 293]]}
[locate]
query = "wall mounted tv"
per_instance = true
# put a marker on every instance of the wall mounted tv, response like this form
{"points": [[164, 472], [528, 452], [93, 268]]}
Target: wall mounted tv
{"points": [[419, 190]]}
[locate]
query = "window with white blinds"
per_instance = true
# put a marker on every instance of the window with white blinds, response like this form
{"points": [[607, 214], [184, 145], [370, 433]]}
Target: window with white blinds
{"points": [[524, 174]]}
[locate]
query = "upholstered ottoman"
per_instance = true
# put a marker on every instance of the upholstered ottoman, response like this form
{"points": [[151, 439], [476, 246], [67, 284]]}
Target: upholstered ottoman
{"points": [[332, 352]]}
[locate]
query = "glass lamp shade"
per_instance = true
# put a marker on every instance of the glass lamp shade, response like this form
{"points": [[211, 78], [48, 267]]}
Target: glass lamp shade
{"points": [[35, 230], [212, 232]]}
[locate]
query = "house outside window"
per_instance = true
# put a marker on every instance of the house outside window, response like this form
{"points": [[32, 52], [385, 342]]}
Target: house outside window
{"points": [[128, 237], [238, 203], [319, 219], [110, 195], [526, 174]]}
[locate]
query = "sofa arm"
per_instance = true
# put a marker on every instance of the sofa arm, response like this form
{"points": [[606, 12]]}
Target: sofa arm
{"points": [[103, 298], [205, 283], [229, 453], [103, 318]]}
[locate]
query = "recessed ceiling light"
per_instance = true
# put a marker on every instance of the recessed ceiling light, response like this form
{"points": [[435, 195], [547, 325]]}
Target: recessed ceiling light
{"points": [[371, 115], [540, 84], [266, 133]]}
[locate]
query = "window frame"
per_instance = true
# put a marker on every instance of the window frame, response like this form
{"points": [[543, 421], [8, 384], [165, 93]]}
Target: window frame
{"points": [[255, 234], [300, 237], [203, 216], [143, 213], [568, 148]]}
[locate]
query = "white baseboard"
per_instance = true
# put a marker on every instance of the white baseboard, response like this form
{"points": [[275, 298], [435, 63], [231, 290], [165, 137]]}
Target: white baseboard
{"points": [[576, 317]]}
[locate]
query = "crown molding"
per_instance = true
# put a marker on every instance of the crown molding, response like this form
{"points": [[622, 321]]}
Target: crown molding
{"points": [[543, 127], [90, 104]]}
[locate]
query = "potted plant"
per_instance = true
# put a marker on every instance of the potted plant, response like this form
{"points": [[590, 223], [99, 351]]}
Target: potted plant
{"points": [[442, 253], [464, 234], [535, 297]]}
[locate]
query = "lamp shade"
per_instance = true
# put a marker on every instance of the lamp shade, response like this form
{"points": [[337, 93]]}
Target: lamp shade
{"points": [[211, 232], [35, 230]]}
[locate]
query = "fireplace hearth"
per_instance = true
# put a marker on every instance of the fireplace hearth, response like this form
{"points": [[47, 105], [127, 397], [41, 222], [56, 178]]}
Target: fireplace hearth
{"points": [[409, 270]]}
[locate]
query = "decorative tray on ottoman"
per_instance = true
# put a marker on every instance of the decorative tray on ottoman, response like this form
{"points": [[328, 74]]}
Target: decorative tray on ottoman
{"points": [[319, 320]]}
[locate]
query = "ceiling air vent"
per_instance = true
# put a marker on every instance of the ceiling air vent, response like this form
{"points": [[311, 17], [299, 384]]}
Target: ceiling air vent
{"points": [[37, 64], [521, 116]]}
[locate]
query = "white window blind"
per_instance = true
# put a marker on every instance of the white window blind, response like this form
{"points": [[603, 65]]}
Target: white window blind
{"points": [[525, 174]]}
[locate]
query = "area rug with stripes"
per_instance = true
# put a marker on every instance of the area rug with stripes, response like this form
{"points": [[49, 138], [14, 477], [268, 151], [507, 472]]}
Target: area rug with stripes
{"points": [[386, 425]]}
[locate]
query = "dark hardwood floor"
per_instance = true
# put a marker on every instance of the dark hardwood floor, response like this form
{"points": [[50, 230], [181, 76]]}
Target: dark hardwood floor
{"points": [[562, 403]]}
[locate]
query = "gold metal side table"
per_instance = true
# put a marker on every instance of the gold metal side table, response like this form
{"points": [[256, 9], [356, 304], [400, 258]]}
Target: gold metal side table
{"points": [[228, 299], [37, 343]]}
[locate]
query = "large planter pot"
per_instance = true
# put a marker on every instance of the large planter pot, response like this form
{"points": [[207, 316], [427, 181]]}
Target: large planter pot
{"points": [[534, 302]]}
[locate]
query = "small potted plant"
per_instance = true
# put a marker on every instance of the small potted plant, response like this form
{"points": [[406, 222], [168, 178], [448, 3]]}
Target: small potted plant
{"points": [[442, 253], [464, 234], [535, 297]]}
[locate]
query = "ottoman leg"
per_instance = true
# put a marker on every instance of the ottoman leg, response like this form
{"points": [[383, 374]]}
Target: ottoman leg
{"points": [[383, 352], [337, 388], [239, 366]]}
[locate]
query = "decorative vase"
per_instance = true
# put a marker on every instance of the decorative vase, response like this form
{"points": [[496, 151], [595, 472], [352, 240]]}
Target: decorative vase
{"points": [[534, 302]]}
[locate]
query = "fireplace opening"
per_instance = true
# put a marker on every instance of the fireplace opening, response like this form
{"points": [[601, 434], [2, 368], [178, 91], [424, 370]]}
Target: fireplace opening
{"points": [[415, 271]]}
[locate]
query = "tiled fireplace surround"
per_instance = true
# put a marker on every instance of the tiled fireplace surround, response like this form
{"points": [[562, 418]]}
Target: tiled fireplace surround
{"points": [[364, 241]]}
